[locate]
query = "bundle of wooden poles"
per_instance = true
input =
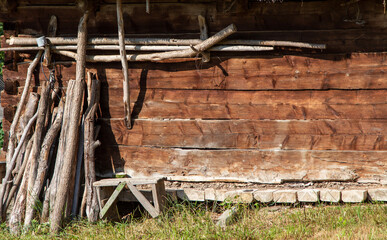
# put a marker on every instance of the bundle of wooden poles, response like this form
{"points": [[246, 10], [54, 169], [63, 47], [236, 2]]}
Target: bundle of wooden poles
{"points": [[49, 138]]}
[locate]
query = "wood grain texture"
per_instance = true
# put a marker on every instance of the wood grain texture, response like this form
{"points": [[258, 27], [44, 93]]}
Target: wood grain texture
{"points": [[211, 104], [249, 134], [322, 71], [248, 165]]}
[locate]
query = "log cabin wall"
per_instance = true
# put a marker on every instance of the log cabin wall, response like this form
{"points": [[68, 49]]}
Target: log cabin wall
{"points": [[286, 115]]}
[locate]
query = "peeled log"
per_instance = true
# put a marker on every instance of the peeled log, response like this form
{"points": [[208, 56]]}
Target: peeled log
{"points": [[72, 143], [190, 52], [43, 164], [22, 102], [92, 208], [38, 137]]}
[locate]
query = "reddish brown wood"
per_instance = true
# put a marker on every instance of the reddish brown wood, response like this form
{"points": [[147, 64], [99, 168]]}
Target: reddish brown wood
{"points": [[208, 104], [289, 135]]}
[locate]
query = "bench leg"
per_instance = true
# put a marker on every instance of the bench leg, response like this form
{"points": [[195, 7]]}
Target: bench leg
{"points": [[144, 202], [112, 199], [159, 195]]}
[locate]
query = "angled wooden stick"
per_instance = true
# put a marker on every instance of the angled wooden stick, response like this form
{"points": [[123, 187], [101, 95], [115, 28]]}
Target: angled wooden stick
{"points": [[13, 160], [22, 102], [43, 165], [124, 62]]}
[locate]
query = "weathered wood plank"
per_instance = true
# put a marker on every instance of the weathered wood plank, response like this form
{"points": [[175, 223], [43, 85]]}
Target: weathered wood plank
{"points": [[112, 182], [358, 71], [253, 135], [247, 165], [211, 104]]}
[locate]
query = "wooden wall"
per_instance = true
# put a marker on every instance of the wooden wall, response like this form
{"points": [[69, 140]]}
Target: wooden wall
{"points": [[290, 115]]}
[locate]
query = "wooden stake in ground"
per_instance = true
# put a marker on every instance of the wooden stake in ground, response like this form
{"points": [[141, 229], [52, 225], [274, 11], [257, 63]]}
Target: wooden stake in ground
{"points": [[72, 142], [92, 208], [43, 164], [22, 102], [124, 62]]}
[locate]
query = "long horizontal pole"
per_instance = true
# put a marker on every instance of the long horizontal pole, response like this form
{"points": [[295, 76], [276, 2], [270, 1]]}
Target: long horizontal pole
{"points": [[23, 41], [218, 48]]}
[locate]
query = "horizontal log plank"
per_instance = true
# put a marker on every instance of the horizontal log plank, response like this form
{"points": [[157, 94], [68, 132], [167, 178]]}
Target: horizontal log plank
{"points": [[359, 71], [211, 104], [247, 165], [290, 135]]}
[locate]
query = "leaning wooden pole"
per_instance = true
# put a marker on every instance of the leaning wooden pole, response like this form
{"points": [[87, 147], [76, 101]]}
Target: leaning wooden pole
{"points": [[75, 112], [92, 208], [12, 162], [22, 102], [43, 165], [124, 62]]}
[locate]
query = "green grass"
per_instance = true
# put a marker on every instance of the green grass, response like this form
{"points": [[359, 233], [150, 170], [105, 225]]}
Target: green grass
{"points": [[182, 221]]}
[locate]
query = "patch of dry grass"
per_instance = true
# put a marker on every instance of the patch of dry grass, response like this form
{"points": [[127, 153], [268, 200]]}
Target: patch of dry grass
{"points": [[195, 221]]}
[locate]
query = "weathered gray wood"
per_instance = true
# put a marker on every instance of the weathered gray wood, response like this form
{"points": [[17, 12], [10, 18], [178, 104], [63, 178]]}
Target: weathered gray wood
{"points": [[22, 102], [163, 41], [142, 199], [43, 164], [30, 110], [124, 62], [159, 195], [203, 36], [157, 48], [190, 52], [17, 213], [19, 176], [108, 182], [71, 148], [13, 160], [90, 144], [38, 138], [112, 199], [48, 205]]}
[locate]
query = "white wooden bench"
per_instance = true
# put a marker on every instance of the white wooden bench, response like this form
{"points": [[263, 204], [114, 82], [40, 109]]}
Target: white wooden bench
{"points": [[158, 193]]}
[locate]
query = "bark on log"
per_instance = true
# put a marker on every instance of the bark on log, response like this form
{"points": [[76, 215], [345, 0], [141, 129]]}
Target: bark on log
{"points": [[31, 106], [162, 41], [13, 160], [71, 148], [38, 137], [92, 208], [19, 176], [19, 207], [22, 102], [190, 52], [43, 164], [56, 179], [124, 62]]}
